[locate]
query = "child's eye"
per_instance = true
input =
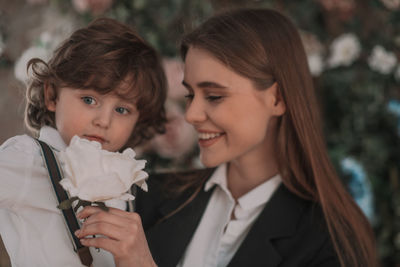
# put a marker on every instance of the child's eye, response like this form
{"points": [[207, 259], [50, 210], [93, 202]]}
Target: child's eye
{"points": [[89, 100], [122, 110]]}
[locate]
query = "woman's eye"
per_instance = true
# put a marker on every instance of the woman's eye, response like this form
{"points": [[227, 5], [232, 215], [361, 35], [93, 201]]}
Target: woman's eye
{"points": [[189, 96], [213, 98], [89, 100], [122, 110]]}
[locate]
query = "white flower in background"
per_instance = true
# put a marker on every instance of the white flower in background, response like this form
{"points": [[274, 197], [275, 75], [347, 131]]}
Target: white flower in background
{"points": [[381, 60], [397, 74], [179, 138], [314, 50], [97, 175], [391, 4], [344, 50], [174, 72], [315, 63], [20, 70]]}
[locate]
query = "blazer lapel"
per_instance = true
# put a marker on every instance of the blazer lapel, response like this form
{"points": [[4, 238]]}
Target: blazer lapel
{"points": [[278, 219], [169, 239]]}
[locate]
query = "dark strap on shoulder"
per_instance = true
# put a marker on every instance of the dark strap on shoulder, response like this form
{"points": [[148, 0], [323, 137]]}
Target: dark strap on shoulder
{"points": [[69, 215]]}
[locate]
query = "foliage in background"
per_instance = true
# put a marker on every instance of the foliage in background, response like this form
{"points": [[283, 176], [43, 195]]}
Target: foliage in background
{"points": [[353, 47]]}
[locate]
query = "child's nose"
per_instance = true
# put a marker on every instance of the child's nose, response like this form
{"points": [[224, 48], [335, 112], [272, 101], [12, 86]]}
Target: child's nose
{"points": [[103, 119]]}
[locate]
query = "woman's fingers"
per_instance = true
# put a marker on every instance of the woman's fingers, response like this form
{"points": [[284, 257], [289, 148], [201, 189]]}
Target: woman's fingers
{"points": [[108, 217], [115, 224], [90, 210], [111, 231], [122, 235], [101, 242]]}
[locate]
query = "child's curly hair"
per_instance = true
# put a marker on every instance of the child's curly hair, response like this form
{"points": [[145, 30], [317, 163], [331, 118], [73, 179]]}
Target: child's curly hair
{"points": [[100, 57]]}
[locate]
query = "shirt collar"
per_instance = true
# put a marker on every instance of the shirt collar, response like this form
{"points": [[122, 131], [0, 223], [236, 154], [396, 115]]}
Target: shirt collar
{"points": [[261, 194], [217, 178], [52, 137], [256, 197]]}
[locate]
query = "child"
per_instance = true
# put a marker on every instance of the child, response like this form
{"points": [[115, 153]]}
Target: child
{"points": [[104, 83], [273, 198]]}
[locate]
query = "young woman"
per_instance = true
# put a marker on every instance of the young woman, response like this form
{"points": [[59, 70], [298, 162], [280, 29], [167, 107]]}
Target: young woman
{"points": [[274, 198]]}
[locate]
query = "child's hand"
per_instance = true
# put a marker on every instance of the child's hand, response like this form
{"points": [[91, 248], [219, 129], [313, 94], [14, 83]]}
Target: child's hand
{"points": [[124, 235]]}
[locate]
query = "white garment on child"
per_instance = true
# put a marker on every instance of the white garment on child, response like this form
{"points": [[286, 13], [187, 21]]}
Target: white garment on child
{"points": [[32, 227], [219, 235]]}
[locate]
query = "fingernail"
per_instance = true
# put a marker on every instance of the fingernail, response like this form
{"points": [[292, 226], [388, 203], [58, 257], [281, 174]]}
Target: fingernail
{"points": [[77, 232], [79, 215]]}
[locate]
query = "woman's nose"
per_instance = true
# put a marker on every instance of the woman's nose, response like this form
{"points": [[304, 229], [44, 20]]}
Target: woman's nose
{"points": [[195, 111]]}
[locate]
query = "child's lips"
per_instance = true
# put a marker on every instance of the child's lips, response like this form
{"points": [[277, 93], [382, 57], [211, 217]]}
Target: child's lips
{"points": [[96, 138]]}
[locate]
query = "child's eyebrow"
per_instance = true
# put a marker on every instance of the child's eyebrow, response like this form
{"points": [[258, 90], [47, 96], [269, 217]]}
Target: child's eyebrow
{"points": [[205, 84]]}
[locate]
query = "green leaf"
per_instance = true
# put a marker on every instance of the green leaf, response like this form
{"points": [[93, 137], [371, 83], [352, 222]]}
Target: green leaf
{"points": [[67, 204]]}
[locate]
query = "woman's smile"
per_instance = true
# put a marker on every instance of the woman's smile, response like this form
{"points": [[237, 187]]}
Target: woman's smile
{"points": [[207, 139]]}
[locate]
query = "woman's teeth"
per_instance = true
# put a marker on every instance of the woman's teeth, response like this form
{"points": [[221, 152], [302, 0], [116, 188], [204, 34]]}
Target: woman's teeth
{"points": [[206, 136]]}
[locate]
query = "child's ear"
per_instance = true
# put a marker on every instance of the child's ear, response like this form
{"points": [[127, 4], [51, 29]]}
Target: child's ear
{"points": [[277, 103], [50, 97]]}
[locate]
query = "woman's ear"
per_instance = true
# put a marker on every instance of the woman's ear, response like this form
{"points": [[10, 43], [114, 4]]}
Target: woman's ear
{"points": [[50, 97], [277, 104]]}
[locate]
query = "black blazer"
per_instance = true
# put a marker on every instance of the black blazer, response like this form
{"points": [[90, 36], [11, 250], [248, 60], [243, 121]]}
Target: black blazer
{"points": [[290, 231]]}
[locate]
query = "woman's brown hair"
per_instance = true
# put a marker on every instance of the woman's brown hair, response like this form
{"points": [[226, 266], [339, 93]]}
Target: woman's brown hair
{"points": [[265, 47], [100, 57]]}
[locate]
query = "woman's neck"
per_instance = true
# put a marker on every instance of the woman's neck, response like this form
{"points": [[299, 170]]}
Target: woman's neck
{"points": [[244, 176]]}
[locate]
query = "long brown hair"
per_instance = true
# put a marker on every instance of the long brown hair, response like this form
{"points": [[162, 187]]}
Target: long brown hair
{"points": [[263, 45], [100, 57]]}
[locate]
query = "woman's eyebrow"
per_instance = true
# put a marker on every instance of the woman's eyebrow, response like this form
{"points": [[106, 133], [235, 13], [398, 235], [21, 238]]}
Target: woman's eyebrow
{"points": [[205, 84]]}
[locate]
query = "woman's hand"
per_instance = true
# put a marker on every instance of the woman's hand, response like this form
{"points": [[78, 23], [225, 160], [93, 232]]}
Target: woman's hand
{"points": [[124, 235]]}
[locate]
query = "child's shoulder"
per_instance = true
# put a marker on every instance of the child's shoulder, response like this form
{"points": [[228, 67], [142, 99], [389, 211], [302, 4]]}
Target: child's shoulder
{"points": [[20, 143]]}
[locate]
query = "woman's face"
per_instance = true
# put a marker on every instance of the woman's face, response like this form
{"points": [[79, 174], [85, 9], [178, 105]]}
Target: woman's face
{"points": [[232, 118]]}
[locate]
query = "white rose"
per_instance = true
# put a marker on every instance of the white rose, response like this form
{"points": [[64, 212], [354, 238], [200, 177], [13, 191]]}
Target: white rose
{"points": [[381, 60], [344, 50], [93, 174]]}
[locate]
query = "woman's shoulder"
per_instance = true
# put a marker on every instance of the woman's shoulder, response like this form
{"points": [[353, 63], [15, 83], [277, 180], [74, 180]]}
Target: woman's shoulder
{"points": [[307, 239]]}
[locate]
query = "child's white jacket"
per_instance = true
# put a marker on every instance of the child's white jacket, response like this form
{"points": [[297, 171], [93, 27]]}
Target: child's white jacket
{"points": [[32, 228]]}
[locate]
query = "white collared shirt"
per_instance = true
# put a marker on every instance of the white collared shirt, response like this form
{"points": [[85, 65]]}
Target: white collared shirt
{"points": [[31, 226], [218, 236]]}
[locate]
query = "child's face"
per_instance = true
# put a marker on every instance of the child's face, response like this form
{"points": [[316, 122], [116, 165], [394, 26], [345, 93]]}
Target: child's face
{"points": [[108, 118]]}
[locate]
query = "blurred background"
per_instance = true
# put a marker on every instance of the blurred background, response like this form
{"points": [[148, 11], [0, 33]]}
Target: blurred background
{"points": [[353, 47]]}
